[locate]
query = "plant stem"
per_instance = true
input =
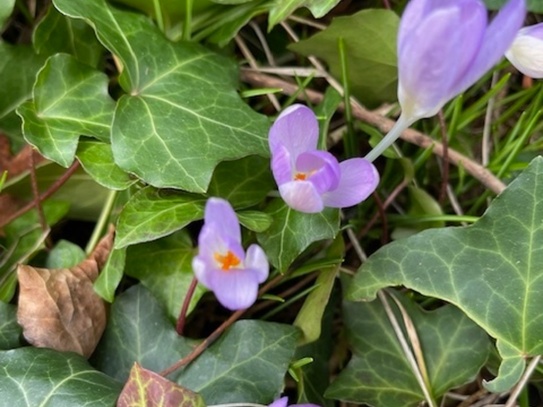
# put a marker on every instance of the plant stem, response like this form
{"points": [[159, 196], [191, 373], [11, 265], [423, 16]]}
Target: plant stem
{"points": [[188, 20], [101, 223], [36, 197], [186, 302], [350, 145], [401, 124], [158, 15]]}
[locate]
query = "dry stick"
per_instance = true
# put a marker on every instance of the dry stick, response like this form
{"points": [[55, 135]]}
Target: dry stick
{"points": [[198, 350], [186, 302], [445, 164], [52, 189], [520, 385], [36, 198], [384, 125]]}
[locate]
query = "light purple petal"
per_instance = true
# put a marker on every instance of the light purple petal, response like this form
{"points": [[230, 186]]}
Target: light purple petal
{"points": [[302, 196], [359, 178], [526, 52], [235, 289], [281, 165], [212, 241], [220, 215], [497, 39], [257, 261], [200, 268], [412, 16], [297, 129], [282, 402], [305, 405], [322, 169]]}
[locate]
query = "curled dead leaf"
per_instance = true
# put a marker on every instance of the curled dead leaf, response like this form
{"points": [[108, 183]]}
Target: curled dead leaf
{"points": [[59, 309]]}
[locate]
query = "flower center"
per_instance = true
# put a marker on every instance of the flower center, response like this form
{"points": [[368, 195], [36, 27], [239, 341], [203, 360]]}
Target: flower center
{"points": [[228, 260], [302, 176]]}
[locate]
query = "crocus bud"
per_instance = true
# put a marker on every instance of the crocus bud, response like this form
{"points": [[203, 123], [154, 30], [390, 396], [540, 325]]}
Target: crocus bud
{"points": [[444, 46], [526, 52]]}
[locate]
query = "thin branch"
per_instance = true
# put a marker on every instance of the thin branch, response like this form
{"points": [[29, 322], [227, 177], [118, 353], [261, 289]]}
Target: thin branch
{"points": [[36, 198], [184, 309], [520, 385], [445, 159], [384, 125]]}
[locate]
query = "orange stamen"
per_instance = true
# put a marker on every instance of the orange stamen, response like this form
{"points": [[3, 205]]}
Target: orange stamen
{"points": [[300, 176], [228, 260]]}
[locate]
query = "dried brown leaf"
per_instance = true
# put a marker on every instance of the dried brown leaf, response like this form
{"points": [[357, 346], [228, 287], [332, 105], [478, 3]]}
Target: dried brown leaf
{"points": [[59, 309]]}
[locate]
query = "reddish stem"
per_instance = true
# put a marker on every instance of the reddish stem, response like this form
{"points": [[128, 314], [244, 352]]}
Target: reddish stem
{"points": [[184, 309]]}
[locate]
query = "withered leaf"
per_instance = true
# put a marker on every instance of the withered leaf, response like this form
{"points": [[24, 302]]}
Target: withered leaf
{"points": [[59, 309], [147, 388]]}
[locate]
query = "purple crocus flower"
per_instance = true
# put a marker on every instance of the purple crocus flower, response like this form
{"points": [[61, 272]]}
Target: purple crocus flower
{"points": [[444, 46], [283, 402], [526, 52], [309, 179], [222, 265]]}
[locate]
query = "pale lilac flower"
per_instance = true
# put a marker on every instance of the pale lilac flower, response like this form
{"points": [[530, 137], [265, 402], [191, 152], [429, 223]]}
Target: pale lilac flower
{"points": [[309, 179], [222, 265], [444, 46], [283, 402], [526, 52]]}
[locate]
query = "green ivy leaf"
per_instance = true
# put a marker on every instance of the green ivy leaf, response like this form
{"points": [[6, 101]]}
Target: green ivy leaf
{"points": [[491, 270], [244, 182], [453, 348], [43, 377], [138, 331], [110, 276], [6, 8], [65, 255], [292, 232], [248, 362], [370, 41], [70, 99], [153, 213], [167, 129], [10, 330], [145, 388], [97, 160], [255, 220], [284, 8], [164, 266], [535, 6], [53, 30]]}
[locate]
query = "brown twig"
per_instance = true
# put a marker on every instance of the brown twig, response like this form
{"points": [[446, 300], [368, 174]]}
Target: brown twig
{"points": [[384, 125], [198, 350], [186, 302], [52, 189], [36, 198], [445, 158]]}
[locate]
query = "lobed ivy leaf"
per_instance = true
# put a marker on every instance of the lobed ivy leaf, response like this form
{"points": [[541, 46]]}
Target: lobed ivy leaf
{"points": [[65, 254], [248, 362], [51, 34], [153, 213], [535, 6], [111, 275], [10, 331], [97, 160], [370, 41], [490, 270], [284, 8], [292, 232], [181, 114], [255, 220], [43, 377], [147, 388], [138, 331], [453, 348], [6, 8], [69, 99], [164, 266]]}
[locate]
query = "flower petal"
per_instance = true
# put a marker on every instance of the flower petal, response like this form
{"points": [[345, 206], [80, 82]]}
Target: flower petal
{"points": [[200, 268], [497, 39], [221, 217], [302, 196], [282, 402], [257, 261], [359, 178], [297, 129], [526, 52], [281, 164], [235, 289], [322, 166]]}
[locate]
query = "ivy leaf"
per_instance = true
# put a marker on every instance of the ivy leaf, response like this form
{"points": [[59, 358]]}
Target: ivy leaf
{"points": [[111, 275], [147, 388], [10, 331], [70, 99], [292, 232], [284, 8], [65, 254], [97, 160], [453, 348], [370, 42], [255, 220], [153, 213], [248, 362], [43, 377], [535, 6], [50, 36], [167, 129], [491, 270], [164, 266], [6, 8]]}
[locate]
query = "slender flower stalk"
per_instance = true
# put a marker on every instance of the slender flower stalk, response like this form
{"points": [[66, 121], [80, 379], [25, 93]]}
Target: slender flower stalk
{"points": [[309, 179], [222, 265], [526, 52], [444, 47]]}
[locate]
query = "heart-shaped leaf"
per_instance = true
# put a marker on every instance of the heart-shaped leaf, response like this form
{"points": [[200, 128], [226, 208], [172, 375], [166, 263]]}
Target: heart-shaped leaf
{"points": [[167, 129], [10, 331], [491, 270]]}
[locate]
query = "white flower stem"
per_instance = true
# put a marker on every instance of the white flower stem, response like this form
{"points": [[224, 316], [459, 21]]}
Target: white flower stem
{"points": [[401, 124]]}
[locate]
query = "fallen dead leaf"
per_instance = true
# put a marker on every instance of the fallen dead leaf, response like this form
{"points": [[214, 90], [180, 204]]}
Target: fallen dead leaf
{"points": [[59, 309]]}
